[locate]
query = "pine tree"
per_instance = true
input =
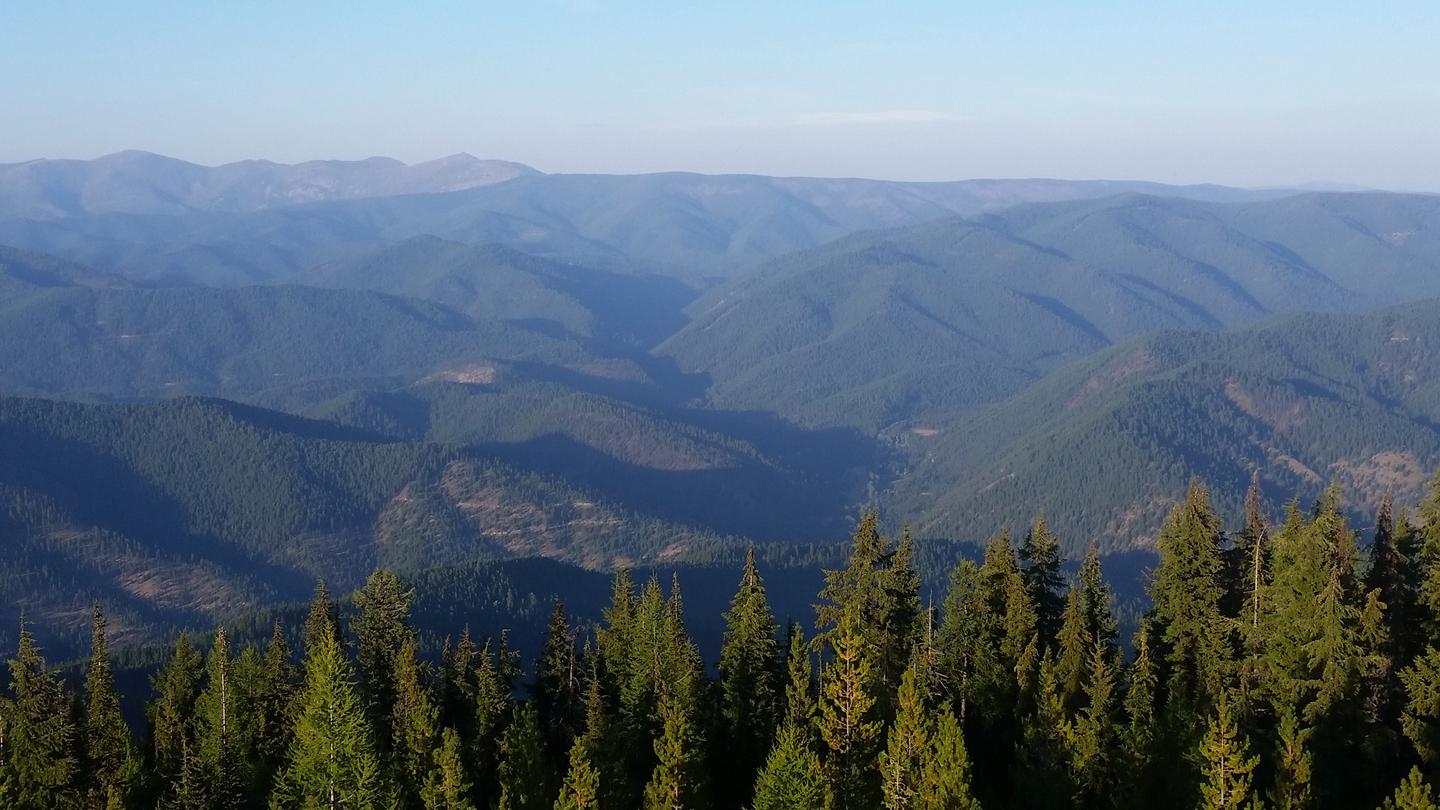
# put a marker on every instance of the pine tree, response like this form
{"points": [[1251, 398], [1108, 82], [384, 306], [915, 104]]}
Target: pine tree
{"points": [[907, 748], [1094, 738], [1229, 768], [748, 678], [1413, 794], [1040, 567], [1292, 763], [674, 784], [557, 688], [445, 787], [222, 730], [524, 773], [1075, 648], [172, 712], [381, 630], [800, 689], [945, 778], [1095, 601], [109, 752], [37, 764], [414, 721], [323, 619], [1187, 592], [272, 705], [847, 722], [581, 789], [332, 761], [791, 778]]}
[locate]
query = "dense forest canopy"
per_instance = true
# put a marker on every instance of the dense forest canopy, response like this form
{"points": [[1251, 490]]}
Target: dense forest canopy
{"points": [[1294, 663]]}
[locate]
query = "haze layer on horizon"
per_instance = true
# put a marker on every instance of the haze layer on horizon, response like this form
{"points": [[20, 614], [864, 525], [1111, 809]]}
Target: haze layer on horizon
{"points": [[1240, 94]]}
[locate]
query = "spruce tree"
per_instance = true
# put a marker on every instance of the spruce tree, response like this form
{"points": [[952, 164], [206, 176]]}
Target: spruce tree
{"points": [[38, 769], [1186, 591], [800, 686], [414, 723], [1075, 648], [907, 748], [945, 777], [674, 784], [1229, 767], [748, 678], [177, 685], [332, 761], [581, 789], [109, 750], [1095, 601], [1421, 717], [445, 787], [322, 620], [1412, 794], [1095, 738], [272, 705], [381, 629], [1292, 763], [558, 688], [524, 772], [1040, 566], [1140, 735], [847, 719], [222, 729], [492, 715], [791, 778], [969, 641]]}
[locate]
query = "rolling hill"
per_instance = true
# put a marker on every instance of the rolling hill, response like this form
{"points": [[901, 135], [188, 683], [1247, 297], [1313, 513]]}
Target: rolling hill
{"points": [[1104, 447], [185, 511], [915, 324]]}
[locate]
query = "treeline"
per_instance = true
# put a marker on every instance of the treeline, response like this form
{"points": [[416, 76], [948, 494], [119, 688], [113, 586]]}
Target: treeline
{"points": [[1282, 667]]}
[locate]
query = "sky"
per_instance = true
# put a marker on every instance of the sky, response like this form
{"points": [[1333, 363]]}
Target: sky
{"points": [[1239, 93]]}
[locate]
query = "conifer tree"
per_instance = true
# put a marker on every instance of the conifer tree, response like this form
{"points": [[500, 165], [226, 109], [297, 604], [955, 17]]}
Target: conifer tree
{"points": [[969, 641], [1421, 718], [322, 620], [581, 789], [907, 748], [1044, 760], [800, 688], [272, 705], [1413, 794], [903, 612], [1095, 601], [171, 714], [524, 772], [458, 684], [445, 787], [37, 762], [882, 597], [674, 784], [414, 722], [945, 777], [847, 721], [191, 788], [1140, 734], [748, 677], [381, 630], [109, 750], [557, 688], [1021, 646], [1075, 648], [1229, 767], [222, 729], [1187, 592], [791, 778], [1427, 544], [332, 761], [492, 713], [1292, 762], [1094, 738], [1040, 567]]}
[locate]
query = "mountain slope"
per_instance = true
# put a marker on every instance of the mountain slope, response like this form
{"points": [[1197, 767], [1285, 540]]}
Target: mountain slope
{"points": [[1104, 446], [190, 508], [917, 323]]}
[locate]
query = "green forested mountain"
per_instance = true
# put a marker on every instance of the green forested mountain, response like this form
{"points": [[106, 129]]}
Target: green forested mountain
{"points": [[1292, 663], [1104, 445], [494, 283], [909, 324], [687, 225], [251, 343], [199, 508]]}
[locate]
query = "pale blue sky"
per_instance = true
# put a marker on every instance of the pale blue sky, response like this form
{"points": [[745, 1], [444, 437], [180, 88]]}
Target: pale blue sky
{"points": [[1250, 93]]}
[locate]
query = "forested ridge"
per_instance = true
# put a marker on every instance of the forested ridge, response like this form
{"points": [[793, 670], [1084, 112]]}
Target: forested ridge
{"points": [[1292, 664]]}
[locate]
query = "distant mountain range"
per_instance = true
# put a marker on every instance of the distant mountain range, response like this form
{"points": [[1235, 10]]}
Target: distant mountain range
{"points": [[909, 326]]}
